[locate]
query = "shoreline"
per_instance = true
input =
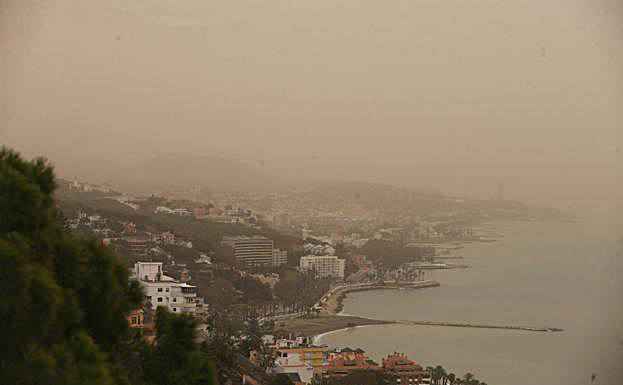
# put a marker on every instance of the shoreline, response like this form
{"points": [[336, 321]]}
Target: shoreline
{"points": [[317, 338], [332, 303]]}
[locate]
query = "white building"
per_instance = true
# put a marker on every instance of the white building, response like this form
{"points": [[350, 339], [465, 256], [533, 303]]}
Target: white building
{"points": [[290, 362], [280, 257], [162, 290], [323, 265]]}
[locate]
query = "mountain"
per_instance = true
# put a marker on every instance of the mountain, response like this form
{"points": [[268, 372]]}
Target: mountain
{"points": [[186, 171]]}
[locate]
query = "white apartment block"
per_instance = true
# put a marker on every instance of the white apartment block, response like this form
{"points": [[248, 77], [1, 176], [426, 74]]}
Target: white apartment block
{"points": [[323, 265], [280, 257], [162, 290]]}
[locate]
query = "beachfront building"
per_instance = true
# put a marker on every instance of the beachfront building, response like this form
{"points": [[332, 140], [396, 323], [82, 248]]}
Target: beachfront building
{"points": [[310, 354], [162, 290], [251, 251], [292, 364], [342, 362], [404, 371], [323, 266]]}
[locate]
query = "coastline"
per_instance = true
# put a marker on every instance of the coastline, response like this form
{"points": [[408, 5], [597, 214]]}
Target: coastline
{"points": [[332, 303], [316, 340], [329, 320]]}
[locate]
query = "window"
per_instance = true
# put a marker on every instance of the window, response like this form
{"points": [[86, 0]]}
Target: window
{"points": [[159, 290], [174, 309], [159, 299], [174, 299], [167, 289], [134, 321]]}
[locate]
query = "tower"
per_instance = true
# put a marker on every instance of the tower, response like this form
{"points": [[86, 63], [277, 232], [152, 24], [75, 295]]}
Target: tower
{"points": [[500, 195]]}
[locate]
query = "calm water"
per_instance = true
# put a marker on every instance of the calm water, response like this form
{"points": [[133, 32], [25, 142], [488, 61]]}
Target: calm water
{"points": [[539, 274]]}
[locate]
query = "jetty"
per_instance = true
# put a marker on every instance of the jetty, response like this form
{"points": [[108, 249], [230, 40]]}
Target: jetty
{"points": [[477, 325], [328, 319]]}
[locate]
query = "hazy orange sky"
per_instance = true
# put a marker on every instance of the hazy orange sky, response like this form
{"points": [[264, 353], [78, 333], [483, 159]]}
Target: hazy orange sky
{"points": [[453, 95]]}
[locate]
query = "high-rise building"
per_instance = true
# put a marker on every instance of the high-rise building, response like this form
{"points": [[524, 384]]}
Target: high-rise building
{"points": [[251, 251], [323, 266], [500, 195]]}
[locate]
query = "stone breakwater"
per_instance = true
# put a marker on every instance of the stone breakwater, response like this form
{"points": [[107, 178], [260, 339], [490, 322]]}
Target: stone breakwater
{"points": [[331, 303], [477, 325]]}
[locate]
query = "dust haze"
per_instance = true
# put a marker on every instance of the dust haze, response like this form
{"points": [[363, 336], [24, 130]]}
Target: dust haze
{"points": [[454, 96]]}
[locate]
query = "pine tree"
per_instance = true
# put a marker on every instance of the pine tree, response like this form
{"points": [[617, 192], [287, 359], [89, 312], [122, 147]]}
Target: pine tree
{"points": [[65, 297]]}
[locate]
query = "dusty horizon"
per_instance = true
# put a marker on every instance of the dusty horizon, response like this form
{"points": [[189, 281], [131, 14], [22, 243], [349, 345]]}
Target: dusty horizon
{"points": [[450, 96]]}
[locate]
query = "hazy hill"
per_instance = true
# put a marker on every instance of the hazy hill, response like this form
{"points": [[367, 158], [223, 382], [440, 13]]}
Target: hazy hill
{"points": [[184, 171], [375, 196]]}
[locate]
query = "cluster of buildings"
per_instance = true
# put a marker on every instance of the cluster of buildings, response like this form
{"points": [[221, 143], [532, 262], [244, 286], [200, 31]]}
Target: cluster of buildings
{"points": [[182, 212], [318, 249], [125, 238], [302, 361], [87, 187], [227, 215], [256, 251]]}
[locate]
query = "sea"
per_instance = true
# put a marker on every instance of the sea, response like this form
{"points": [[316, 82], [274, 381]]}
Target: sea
{"points": [[552, 274]]}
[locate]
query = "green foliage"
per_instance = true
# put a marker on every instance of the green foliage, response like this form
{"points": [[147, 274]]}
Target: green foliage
{"points": [[175, 358], [300, 290], [65, 297], [221, 294], [392, 254], [252, 337], [254, 290], [281, 379]]}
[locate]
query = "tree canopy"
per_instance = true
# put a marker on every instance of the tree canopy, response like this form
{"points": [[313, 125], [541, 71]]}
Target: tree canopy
{"points": [[66, 298]]}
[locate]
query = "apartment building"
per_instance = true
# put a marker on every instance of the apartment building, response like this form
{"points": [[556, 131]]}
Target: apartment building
{"points": [[324, 266], [405, 371], [251, 251], [312, 355], [162, 290], [136, 246], [345, 361], [280, 257]]}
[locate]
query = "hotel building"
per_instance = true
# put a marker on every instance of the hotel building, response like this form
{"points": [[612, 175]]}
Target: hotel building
{"points": [[251, 251], [324, 266]]}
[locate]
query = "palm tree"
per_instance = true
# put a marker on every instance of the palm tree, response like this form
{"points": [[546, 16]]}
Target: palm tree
{"points": [[439, 374], [468, 378], [451, 378]]}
